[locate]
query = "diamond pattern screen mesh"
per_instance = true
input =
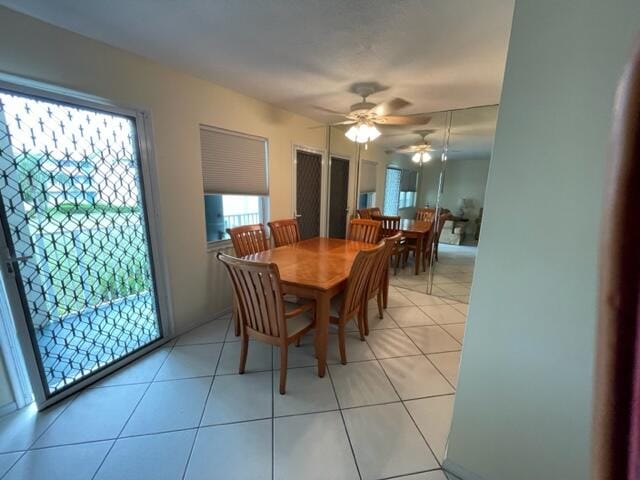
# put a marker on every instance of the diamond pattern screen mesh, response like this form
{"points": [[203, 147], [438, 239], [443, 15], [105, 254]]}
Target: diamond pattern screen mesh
{"points": [[72, 204]]}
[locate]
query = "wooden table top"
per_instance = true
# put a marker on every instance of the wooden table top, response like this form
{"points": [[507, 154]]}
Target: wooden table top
{"points": [[408, 225], [319, 263]]}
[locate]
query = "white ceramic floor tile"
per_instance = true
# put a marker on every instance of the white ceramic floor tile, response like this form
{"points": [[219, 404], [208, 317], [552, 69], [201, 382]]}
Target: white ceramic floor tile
{"points": [[239, 451], [456, 330], [448, 364], [433, 417], [306, 392], [444, 314], [462, 308], [409, 316], [96, 414], [170, 405], [357, 350], [386, 442], [18, 430], [235, 398], [214, 331], [376, 323], [190, 361], [456, 289], [391, 343], [432, 339], [71, 462], [258, 358], [296, 449], [361, 383], [142, 370], [435, 475], [7, 460], [159, 457], [302, 356], [422, 299], [415, 377], [396, 299]]}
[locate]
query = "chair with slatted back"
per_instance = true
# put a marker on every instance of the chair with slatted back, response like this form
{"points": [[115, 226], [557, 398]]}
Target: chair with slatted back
{"points": [[355, 292], [364, 213], [390, 226], [375, 212], [378, 280], [363, 230], [261, 309], [246, 240], [284, 232], [425, 214], [429, 242]]}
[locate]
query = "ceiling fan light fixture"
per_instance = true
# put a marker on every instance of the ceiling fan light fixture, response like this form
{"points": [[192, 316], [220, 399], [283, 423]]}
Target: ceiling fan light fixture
{"points": [[421, 157], [362, 133]]}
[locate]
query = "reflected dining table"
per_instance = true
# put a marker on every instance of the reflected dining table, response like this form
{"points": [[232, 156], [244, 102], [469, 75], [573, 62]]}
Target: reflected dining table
{"points": [[419, 230], [316, 269]]}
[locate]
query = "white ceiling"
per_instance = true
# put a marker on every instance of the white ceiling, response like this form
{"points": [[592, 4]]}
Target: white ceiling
{"points": [[437, 54]]}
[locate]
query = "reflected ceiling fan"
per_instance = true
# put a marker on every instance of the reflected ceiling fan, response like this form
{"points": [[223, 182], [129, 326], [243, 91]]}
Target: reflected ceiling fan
{"points": [[419, 152], [365, 116]]}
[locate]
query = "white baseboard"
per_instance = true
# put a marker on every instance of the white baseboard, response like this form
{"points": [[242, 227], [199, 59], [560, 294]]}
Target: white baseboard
{"points": [[460, 472], [8, 408]]}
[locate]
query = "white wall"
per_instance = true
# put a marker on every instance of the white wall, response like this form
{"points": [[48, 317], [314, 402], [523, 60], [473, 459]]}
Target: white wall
{"points": [[6, 393], [523, 406], [465, 178]]}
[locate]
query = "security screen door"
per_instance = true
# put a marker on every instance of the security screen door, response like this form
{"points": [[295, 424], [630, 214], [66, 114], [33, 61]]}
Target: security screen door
{"points": [[76, 249]]}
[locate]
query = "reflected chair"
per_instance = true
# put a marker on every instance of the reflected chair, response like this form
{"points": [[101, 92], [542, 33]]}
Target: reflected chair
{"points": [[354, 295], [429, 242], [363, 230], [284, 232], [261, 309], [367, 213], [246, 240], [378, 281], [390, 226], [425, 214]]}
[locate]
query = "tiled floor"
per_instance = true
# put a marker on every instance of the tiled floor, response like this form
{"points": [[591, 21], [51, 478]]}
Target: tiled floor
{"points": [[183, 412]]}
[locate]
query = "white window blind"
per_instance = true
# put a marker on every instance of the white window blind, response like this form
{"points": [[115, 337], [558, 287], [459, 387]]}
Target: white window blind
{"points": [[233, 163], [409, 181], [368, 176]]}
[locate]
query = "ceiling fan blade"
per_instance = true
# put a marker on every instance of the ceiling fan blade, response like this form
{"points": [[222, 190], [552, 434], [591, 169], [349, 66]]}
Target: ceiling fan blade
{"points": [[418, 119], [344, 122], [328, 110], [385, 108]]}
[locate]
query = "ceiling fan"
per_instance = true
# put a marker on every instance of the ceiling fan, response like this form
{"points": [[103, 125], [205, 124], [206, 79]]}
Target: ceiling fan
{"points": [[419, 152], [364, 116]]}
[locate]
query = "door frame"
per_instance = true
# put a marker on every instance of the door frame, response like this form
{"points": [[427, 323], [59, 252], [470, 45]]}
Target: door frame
{"points": [[150, 200], [324, 170], [350, 186]]}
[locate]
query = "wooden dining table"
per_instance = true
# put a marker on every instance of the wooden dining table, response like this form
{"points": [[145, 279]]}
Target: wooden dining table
{"points": [[316, 269], [419, 230]]}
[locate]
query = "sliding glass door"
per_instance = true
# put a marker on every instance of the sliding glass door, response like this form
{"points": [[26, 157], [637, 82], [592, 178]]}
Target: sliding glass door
{"points": [[76, 251]]}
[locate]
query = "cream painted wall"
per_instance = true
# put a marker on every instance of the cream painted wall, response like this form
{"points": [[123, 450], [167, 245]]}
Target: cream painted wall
{"points": [[524, 399], [178, 104], [465, 178]]}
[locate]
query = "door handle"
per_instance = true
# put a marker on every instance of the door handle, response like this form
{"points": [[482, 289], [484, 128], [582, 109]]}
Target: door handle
{"points": [[297, 215]]}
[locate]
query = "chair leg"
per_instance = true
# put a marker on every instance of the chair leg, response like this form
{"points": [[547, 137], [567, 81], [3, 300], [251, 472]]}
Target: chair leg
{"points": [[341, 344], [284, 351], [365, 320], [236, 320], [380, 305], [298, 341], [244, 350]]}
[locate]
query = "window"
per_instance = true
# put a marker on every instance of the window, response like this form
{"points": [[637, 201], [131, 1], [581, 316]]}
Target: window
{"points": [[400, 190], [367, 199], [236, 192], [392, 191]]}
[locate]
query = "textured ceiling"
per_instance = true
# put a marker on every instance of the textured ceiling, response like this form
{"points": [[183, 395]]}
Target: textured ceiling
{"points": [[299, 53]]}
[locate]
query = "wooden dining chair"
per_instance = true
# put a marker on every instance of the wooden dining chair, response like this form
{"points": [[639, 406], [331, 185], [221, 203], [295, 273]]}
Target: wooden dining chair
{"points": [[350, 307], [261, 309], [378, 280], [425, 214], [285, 232], [444, 216], [389, 227], [363, 230], [248, 239], [429, 242], [375, 211], [364, 213]]}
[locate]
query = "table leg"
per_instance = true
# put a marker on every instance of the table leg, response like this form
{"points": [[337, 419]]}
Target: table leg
{"points": [[418, 260], [323, 301]]}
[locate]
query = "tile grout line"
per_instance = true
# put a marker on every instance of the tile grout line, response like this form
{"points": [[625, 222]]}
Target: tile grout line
{"points": [[204, 406], [113, 442], [344, 423]]}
